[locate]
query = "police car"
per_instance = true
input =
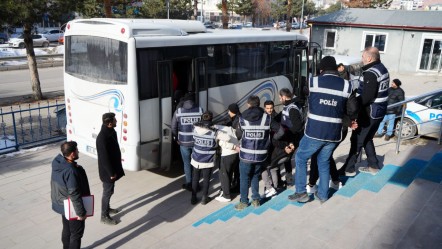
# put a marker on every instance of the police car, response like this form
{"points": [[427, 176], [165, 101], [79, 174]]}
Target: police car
{"points": [[422, 117]]}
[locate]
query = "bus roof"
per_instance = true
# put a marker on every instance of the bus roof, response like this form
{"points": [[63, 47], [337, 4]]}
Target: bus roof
{"points": [[168, 32]]}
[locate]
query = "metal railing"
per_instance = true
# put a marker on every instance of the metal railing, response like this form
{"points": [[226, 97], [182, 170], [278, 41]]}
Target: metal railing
{"points": [[404, 115], [31, 124], [48, 60]]}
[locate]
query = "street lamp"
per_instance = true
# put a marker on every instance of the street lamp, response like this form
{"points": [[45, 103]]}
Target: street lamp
{"points": [[202, 10], [168, 9], [302, 17]]}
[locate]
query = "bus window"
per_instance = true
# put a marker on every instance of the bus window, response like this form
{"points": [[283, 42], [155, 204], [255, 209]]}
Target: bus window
{"points": [[147, 73], [85, 54]]}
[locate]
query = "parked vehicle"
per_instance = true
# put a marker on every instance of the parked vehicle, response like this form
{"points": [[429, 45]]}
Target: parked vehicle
{"points": [[38, 40], [423, 117], [3, 38], [52, 35]]}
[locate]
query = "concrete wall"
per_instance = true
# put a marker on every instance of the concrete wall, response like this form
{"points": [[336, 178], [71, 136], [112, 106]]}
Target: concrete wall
{"points": [[402, 49]]}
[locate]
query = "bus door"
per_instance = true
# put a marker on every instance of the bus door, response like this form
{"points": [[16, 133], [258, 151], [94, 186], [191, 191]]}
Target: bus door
{"points": [[164, 71], [201, 84], [299, 71]]}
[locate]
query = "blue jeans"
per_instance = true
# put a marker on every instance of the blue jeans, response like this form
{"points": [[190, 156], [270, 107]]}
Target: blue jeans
{"points": [[249, 172], [308, 147], [389, 118], [186, 153]]}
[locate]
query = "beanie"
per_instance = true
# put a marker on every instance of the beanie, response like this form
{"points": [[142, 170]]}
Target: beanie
{"points": [[234, 108], [397, 82], [328, 63]]}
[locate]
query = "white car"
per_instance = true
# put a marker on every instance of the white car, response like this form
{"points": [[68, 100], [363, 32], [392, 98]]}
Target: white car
{"points": [[423, 117], [38, 40], [52, 35]]}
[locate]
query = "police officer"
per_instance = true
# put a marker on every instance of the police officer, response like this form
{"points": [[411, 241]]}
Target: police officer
{"points": [[254, 130], [182, 126], [328, 94], [373, 97]]}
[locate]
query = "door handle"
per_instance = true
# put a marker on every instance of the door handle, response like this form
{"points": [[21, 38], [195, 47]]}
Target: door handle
{"points": [[166, 132]]}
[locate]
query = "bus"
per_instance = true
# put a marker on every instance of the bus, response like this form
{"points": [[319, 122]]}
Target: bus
{"points": [[135, 67]]}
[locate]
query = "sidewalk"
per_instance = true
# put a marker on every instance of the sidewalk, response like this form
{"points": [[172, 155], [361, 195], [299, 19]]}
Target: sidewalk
{"points": [[156, 212]]}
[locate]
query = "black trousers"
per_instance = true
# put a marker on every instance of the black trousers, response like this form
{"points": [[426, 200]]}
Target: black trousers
{"points": [[363, 138], [229, 164], [314, 173], [108, 191], [207, 173], [72, 233]]}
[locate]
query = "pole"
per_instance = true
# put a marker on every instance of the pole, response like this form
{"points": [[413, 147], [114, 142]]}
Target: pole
{"points": [[168, 9], [302, 17], [202, 10]]}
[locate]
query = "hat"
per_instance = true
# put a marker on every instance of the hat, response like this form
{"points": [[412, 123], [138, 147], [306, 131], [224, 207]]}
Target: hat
{"points": [[328, 63], [397, 82], [234, 108]]}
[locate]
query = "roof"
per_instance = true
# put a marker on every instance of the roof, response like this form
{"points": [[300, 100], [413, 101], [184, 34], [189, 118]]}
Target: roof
{"points": [[381, 18]]}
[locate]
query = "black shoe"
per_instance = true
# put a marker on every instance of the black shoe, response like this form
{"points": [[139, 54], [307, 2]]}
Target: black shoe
{"points": [[193, 200], [387, 137], [187, 186], [114, 210], [205, 200], [108, 220]]}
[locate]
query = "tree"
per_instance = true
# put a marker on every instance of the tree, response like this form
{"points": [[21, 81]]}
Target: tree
{"points": [[153, 9], [26, 13], [382, 4]]}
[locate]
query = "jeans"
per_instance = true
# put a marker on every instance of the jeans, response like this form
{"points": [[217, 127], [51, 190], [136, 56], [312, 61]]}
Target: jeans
{"points": [[186, 153], [249, 172], [108, 191], [72, 233], [389, 119], [360, 138], [307, 147]]}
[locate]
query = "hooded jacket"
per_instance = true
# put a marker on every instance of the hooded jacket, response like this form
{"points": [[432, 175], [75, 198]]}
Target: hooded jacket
{"points": [[68, 180]]}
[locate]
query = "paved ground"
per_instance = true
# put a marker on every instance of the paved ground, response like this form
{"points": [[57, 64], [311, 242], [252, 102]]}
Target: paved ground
{"points": [[156, 212]]}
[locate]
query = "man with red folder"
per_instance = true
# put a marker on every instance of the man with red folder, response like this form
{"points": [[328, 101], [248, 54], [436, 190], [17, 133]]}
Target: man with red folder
{"points": [[69, 180]]}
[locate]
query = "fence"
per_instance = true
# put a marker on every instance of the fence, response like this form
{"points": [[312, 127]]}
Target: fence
{"points": [[31, 124]]}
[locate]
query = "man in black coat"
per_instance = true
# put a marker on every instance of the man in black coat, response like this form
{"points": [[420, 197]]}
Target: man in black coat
{"points": [[109, 164]]}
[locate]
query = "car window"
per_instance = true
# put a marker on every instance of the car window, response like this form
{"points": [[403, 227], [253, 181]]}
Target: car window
{"points": [[36, 36], [436, 102]]}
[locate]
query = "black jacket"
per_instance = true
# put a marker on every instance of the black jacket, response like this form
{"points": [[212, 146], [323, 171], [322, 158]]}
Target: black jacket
{"points": [[109, 155], [68, 180], [395, 95]]}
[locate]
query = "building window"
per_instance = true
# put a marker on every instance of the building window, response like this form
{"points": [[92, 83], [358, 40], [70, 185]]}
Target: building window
{"points": [[330, 39], [375, 40]]}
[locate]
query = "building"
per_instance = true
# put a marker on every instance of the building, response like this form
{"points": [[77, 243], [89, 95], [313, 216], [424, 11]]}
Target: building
{"points": [[409, 41]]}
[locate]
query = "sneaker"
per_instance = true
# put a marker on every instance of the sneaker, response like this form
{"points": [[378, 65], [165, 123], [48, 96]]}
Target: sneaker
{"points": [[255, 203], [269, 193], [387, 137], [335, 186], [351, 173], [319, 199], [368, 170], [108, 220], [205, 200], [299, 197], [114, 210], [378, 135], [311, 189], [241, 206], [193, 200], [222, 199]]}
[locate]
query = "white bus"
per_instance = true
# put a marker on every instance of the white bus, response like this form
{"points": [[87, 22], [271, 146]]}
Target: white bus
{"points": [[134, 67]]}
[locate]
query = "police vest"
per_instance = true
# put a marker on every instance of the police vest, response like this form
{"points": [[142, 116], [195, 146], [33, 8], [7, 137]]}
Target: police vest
{"points": [[186, 118], [285, 119], [204, 147], [327, 101], [379, 106], [255, 139]]}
